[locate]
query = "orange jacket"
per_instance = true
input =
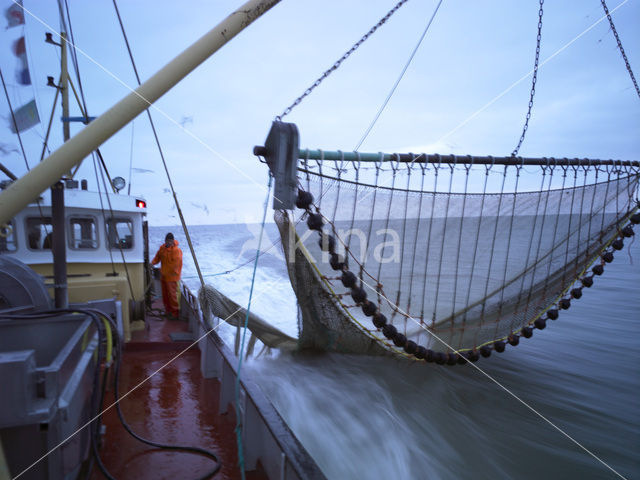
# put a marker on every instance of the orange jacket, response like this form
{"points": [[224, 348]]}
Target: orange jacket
{"points": [[171, 259]]}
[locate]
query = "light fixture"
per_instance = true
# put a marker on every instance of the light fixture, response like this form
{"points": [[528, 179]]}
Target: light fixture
{"points": [[118, 183], [48, 38]]}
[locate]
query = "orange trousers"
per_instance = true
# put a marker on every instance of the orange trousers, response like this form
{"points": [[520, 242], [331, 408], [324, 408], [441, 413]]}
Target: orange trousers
{"points": [[170, 297]]}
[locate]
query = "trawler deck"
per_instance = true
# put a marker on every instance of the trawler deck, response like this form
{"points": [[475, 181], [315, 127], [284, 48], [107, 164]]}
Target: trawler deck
{"points": [[175, 406]]}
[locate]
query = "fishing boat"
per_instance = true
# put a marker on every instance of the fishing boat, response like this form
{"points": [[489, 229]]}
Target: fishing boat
{"points": [[461, 268], [79, 322]]}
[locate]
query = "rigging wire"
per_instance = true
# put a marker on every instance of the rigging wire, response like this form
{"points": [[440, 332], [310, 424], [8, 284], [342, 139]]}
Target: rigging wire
{"points": [[45, 140], [24, 153], [82, 104], [32, 68], [395, 85], [338, 62], [133, 125], [164, 163], [237, 267], [112, 223], [14, 121], [104, 217], [85, 113], [244, 333], [624, 56], [74, 57]]}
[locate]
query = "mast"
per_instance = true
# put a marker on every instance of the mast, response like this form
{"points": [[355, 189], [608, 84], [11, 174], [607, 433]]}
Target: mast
{"points": [[25, 190], [58, 247], [64, 86]]}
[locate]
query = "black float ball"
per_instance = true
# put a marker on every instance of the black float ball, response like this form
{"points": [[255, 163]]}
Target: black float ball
{"points": [[552, 314], [399, 340], [472, 355], [411, 347], [499, 346], [336, 261], [576, 293], [349, 280], [389, 331], [607, 257], [635, 218], [369, 308], [587, 282], [452, 358], [527, 332], [485, 351], [429, 355], [358, 294], [513, 339], [315, 221], [628, 231], [598, 269], [421, 352], [304, 200], [327, 243], [462, 359], [617, 244], [540, 323], [440, 358], [564, 303], [379, 320]]}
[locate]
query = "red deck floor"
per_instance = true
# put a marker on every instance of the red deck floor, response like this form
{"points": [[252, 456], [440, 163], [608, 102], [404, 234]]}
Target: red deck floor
{"points": [[175, 406]]}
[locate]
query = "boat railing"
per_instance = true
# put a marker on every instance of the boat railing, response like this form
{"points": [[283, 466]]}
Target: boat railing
{"points": [[266, 436]]}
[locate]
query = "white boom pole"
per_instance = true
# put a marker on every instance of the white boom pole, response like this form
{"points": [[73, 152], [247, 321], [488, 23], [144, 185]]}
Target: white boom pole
{"points": [[26, 189]]}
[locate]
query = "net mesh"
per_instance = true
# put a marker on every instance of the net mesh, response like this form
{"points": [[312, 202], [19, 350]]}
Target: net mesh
{"points": [[215, 304], [455, 256]]}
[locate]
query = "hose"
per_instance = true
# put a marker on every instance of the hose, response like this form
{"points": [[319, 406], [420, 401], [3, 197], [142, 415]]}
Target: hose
{"points": [[108, 338]]}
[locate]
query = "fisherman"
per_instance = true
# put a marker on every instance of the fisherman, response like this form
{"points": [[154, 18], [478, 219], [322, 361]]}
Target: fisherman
{"points": [[170, 257]]}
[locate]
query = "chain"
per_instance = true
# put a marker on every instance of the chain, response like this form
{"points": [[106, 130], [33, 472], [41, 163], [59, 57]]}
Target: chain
{"points": [[342, 59], [533, 83], [624, 56]]}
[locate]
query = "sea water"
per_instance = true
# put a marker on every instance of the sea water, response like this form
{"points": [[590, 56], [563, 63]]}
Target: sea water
{"points": [[379, 418]]}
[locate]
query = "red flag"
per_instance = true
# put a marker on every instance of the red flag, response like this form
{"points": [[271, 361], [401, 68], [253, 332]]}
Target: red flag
{"points": [[19, 47], [20, 51], [14, 14]]}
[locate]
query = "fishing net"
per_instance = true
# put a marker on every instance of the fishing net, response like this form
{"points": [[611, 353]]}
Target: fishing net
{"points": [[215, 304], [453, 258]]}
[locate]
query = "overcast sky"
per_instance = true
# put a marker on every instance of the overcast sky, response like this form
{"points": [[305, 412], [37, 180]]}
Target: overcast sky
{"points": [[585, 105]]}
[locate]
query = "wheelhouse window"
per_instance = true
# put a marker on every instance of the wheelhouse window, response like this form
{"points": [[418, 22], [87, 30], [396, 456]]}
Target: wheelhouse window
{"points": [[39, 233], [83, 233], [8, 237], [120, 233]]}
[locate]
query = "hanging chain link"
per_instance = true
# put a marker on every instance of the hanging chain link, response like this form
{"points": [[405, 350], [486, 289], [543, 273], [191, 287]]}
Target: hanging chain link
{"points": [[624, 56], [342, 59], [533, 83]]}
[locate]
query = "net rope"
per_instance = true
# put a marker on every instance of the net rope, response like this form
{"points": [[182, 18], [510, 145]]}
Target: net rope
{"points": [[476, 255]]}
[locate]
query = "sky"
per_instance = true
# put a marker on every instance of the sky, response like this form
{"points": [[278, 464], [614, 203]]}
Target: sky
{"points": [[459, 95]]}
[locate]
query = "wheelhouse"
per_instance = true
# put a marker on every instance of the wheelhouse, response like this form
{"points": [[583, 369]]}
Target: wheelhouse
{"points": [[106, 247]]}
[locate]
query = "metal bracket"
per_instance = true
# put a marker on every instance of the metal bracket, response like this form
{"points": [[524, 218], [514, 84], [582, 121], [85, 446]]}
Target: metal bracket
{"points": [[281, 153], [84, 120]]}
